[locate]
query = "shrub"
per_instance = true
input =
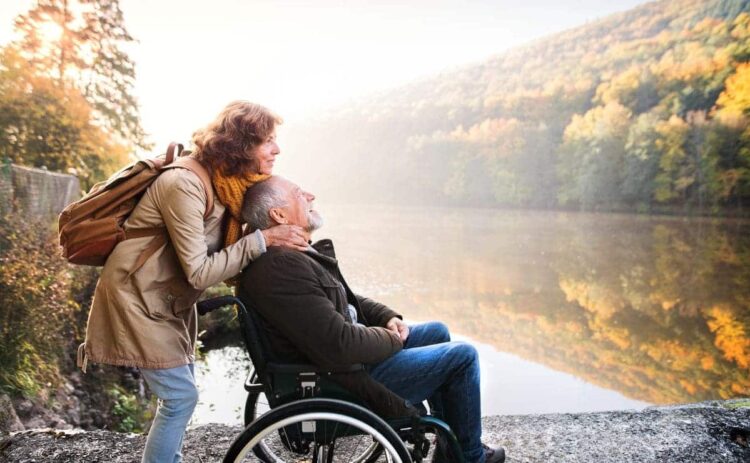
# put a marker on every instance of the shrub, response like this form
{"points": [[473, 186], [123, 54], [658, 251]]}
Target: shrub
{"points": [[37, 312], [132, 413]]}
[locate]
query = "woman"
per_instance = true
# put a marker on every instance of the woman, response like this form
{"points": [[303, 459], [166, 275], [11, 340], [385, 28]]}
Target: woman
{"points": [[146, 318]]}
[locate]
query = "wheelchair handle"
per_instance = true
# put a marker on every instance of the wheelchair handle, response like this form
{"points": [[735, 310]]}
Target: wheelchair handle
{"points": [[209, 305]]}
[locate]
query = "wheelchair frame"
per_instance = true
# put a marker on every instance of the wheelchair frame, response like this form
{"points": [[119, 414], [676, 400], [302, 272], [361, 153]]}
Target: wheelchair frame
{"points": [[302, 398]]}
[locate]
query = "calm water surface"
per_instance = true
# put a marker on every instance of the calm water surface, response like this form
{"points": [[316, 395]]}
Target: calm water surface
{"points": [[570, 312]]}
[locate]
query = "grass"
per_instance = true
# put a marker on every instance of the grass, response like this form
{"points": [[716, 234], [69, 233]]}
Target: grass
{"points": [[740, 403]]}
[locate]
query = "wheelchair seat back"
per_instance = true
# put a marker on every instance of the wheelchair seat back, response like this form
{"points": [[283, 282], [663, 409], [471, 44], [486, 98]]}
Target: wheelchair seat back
{"points": [[285, 382]]}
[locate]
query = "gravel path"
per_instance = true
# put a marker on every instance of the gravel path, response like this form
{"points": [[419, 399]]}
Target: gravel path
{"points": [[704, 432]]}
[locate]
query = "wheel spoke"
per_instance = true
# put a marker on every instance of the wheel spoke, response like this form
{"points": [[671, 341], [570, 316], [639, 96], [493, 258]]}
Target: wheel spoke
{"points": [[342, 432]]}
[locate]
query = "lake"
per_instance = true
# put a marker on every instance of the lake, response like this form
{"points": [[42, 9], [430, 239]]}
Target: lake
{"points": [[570, 312]]}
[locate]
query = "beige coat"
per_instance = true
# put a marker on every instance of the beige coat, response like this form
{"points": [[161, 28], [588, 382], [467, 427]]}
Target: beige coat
{"points": [[148, 319]]}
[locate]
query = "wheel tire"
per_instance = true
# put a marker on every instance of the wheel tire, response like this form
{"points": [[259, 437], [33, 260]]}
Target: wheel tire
{"points": [[317, 411], [255, 405]]}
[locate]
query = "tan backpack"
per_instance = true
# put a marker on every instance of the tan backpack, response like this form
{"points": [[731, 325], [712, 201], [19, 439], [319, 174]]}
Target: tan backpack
{"points": [[91, 227]]}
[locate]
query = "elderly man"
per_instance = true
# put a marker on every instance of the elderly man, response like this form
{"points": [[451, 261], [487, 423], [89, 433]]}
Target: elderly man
{"points": [[311, 315]]}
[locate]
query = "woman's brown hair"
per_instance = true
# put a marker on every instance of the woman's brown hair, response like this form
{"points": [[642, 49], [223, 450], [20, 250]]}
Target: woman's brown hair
{"points": [[226, 142]]}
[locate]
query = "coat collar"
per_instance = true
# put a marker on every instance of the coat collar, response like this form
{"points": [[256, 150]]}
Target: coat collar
{"points": [[323, 251]]}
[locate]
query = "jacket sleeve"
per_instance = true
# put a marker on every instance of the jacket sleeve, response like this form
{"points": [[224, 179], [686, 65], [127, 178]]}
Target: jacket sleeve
{"points": [[290, 296], [182, 204], [377, 314]]}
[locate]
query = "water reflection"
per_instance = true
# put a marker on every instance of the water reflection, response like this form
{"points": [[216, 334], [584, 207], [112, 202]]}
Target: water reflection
{"points": [[657, 309], [572, 312]]}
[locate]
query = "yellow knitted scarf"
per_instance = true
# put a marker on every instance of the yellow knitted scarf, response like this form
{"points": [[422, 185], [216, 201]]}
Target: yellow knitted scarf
{"points": [[231, 190]]}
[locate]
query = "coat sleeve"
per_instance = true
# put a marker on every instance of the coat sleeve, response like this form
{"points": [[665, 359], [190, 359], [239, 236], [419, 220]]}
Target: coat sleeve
{"points": [[290, 296], [182, 203], [377, 314]]}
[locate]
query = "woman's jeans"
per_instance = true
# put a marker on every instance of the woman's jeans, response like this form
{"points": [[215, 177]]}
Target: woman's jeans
{"points": [[178, 395], [431, 367]]}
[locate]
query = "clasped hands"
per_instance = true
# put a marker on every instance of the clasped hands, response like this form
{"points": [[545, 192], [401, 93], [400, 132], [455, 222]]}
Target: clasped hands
{"points": [[398, 326]]}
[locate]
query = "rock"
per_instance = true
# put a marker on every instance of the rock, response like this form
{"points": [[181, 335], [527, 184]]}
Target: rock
{"points": [[36, 416], [24, 408], [9, 421], [710, 431], [67, 405]]}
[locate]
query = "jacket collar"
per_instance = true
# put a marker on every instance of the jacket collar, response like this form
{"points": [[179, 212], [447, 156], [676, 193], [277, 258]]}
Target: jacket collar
{"points": [[325, 247], [323, 251]]}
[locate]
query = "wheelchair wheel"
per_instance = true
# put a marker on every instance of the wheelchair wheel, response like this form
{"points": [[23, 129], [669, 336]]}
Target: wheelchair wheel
{"points": [[257, 404], [320, 431]]}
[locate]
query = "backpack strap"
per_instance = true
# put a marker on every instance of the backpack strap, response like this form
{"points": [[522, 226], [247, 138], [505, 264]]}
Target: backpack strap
{"points": [[194, 166], [159, 240], [173, 150], [160, 233]]}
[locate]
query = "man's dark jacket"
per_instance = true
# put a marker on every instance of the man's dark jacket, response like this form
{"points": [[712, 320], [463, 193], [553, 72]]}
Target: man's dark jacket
{"points": [[302, 300]]}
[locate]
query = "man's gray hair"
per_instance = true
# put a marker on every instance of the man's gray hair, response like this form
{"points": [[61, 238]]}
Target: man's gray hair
{"points": [[258, 202]]}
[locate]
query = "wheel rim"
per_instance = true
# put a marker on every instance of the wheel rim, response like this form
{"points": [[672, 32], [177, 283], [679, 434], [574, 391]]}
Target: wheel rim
{"points": [[312, 419], [257, 404]]}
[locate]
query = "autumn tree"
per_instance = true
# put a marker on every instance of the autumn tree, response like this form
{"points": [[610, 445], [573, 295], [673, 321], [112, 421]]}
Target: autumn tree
{"points": [[597, 113], [45, 125], [80, 43], [735, 100]]}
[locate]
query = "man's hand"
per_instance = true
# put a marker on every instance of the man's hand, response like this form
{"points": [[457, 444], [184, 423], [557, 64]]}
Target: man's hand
{"points": [[398, 326]]}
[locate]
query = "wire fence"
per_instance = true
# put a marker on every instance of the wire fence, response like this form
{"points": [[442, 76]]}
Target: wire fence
{"points": [[35, 193]]}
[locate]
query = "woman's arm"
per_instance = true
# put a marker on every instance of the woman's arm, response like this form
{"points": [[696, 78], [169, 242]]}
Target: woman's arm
{"points": [[182, 203]]}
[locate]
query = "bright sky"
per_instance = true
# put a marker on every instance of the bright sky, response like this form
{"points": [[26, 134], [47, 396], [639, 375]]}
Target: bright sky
{"points": [[298, 57]]}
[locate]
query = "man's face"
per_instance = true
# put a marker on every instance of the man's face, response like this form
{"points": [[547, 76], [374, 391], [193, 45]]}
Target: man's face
{"points": [[299, 208]]}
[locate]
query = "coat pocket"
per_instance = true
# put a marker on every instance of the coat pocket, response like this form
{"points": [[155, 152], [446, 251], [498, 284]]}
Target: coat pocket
{"points": [[163, 299], [336, 293], [183, 297]]}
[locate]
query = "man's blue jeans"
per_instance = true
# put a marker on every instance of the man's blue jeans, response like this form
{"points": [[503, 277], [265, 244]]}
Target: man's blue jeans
{"points": [[432, 367], [178, 396]]}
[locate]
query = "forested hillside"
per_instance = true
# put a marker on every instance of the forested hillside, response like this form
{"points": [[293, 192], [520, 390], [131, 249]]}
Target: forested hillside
{"points": [[645, 110]]}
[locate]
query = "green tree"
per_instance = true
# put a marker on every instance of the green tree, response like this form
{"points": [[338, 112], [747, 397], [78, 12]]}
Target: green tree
{"points": [[675, 174], [592, 156], [688, 162], [641, 162]]}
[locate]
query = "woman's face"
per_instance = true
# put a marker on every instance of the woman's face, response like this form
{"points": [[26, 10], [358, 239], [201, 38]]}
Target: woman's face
{"points": [[265, 154]]}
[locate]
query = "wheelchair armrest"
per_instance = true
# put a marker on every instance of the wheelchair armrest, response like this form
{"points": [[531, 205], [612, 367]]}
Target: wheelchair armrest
{"points": [[272, 367]]}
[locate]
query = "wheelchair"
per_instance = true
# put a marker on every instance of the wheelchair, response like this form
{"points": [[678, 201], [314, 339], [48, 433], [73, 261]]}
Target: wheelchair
{"points": [[295, 413]]}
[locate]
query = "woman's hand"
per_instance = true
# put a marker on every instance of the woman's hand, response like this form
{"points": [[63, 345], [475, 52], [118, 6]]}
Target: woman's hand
{"points": [[290, 236]]}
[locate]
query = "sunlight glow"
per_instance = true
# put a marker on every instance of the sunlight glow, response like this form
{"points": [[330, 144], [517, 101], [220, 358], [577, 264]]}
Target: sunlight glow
{"points": [[50, 32]]}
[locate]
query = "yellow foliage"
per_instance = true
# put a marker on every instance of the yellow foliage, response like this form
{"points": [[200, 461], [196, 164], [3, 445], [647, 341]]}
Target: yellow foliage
{"points": [[741, 26], [611, 91], [690, 388], [730, 336], [707, 363], [740, 390], [594, 298], [610, 120], [735, 99]]}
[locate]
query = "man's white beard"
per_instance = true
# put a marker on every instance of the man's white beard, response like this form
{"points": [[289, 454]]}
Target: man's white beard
{"points": [[314, 221]]}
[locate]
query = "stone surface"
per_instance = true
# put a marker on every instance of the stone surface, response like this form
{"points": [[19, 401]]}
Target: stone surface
{"points": [[9, 421], [705, 432]]}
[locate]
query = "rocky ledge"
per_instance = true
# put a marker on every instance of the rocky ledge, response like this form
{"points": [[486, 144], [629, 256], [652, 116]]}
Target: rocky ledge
{"points": [[703, 432]]}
